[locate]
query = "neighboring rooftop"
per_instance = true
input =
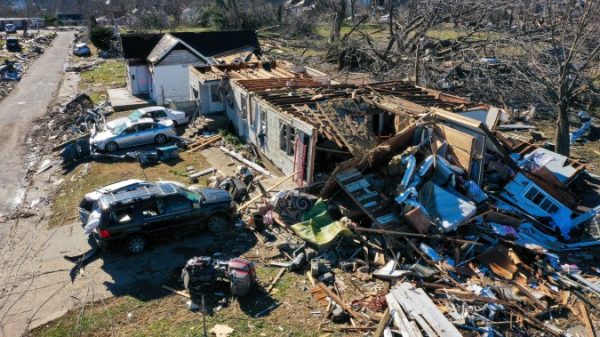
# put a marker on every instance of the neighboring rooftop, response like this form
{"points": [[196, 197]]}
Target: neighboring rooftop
{"points": [[209, 44]]}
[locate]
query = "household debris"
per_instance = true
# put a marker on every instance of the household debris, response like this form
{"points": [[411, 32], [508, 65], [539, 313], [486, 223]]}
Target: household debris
{"points": [[16, 60], [459, 226], [200, 272]]}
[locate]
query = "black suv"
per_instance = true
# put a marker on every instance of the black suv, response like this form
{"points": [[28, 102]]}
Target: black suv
{"points": [[153, 211]]}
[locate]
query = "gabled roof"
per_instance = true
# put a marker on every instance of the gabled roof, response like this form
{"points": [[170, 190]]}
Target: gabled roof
{"points": [[208, 44], [164, 47], [138, 46]]}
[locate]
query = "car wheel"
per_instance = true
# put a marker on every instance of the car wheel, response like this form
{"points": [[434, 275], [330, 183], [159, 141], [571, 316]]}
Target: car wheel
{"points": [[135, 244], [111, 147], [160, 139], [218, 223]]}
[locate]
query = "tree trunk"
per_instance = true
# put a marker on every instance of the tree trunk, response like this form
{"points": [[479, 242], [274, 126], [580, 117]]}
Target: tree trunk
{"points": [[562, 139], [340, 12]]}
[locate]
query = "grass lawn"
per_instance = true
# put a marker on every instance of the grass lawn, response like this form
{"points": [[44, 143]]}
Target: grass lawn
{"points": [[108, 74], [87, 177], [169, 316]]}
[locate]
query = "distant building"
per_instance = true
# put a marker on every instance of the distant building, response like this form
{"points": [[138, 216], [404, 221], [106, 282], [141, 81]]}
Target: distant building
{"points": [[70, 19], [20, 23], [157, 64]]}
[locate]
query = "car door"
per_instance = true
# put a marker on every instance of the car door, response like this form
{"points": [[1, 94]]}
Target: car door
{"points": [[156, 219], [123, 220], [128, 137], [180, 210], [145, 133]]}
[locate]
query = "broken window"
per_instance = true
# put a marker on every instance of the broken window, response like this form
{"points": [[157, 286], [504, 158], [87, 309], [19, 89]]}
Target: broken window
{"points": [[177, 203], [540, 199], [287, 137], [215, 96], [122, 216], [244, 106], [152, 208]]}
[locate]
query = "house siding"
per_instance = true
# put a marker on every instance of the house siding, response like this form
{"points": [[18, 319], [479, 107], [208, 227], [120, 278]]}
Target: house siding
{"points": [[138, 79], [181, 56], [170, 82]]}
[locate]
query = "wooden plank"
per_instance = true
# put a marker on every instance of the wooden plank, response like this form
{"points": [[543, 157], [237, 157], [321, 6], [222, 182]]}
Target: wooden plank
{"points": [[248, 203], [339, 301], [274, 282], [382, 323], [585, 316], [178, 292], [203, 143], [197, 175], [421, 305], [460, 143]]}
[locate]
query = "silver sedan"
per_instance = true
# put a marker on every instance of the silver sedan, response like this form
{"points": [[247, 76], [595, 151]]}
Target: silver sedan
{"points": [[134, 133]]}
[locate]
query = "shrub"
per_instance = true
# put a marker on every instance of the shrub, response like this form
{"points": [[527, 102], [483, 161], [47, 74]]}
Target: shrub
{"points": [[101, 37]]}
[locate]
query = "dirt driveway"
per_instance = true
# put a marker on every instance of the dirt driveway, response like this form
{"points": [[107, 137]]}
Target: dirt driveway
{"points": [[29, 100]]}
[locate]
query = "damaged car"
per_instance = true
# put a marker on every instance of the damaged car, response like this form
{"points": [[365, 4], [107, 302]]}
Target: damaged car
{"points": [[156, 113], [131, 214], [134, 133]]}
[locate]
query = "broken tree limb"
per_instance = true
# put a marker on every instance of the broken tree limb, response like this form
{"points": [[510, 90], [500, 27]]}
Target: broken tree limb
{"points": [[339, 301], [240, 158]]}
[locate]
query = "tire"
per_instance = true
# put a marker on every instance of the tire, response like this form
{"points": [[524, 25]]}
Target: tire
{"points": [[135, 244], [160, 139], [111, 147], [218, 223]]}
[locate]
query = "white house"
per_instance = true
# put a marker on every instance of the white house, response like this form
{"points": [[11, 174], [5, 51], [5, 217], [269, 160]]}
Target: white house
{"points": [[157, 64]]}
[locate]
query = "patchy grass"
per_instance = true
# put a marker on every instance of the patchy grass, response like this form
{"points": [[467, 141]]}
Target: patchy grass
{"points": [[87, 177], [169, 316], [324, 31], [108, 74], [445, 32]]}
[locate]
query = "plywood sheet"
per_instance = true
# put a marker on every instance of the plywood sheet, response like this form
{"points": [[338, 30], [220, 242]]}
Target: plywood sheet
{"points": [[460, 143]]}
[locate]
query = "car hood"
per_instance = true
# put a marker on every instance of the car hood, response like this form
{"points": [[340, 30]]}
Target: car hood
{"points": [[114, 123], [214, 195], [102, 136]]}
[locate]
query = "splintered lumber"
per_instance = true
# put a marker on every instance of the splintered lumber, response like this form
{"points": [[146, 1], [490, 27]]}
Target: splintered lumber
{"points": [[585, 316], [382, 323], [283, 180], [197, 175], [420, 308], [339, 301], [178, 292], [239, 157], [202, 143], [274, 282]]}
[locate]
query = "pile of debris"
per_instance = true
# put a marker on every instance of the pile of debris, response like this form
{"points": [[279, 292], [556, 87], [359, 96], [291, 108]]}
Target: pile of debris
{"points": [[15, 62], [453, 229]]}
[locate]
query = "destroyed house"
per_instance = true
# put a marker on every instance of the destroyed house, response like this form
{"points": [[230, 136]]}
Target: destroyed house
{"points": [[302, 122], [157, 64]]}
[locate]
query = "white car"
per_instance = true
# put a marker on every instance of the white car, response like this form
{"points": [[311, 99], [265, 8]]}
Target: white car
{"points": [[157, 113]]}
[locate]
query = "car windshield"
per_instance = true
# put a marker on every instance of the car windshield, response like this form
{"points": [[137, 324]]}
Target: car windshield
{"points": [[119, 129], [137, 114], [193, 197]]}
